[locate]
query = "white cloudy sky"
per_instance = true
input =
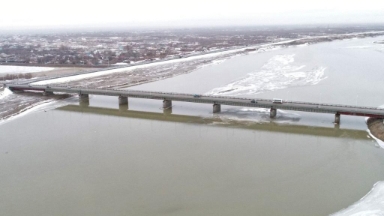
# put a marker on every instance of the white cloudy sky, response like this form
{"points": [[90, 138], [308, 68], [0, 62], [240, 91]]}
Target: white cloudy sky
{"points": [[168, 13]]}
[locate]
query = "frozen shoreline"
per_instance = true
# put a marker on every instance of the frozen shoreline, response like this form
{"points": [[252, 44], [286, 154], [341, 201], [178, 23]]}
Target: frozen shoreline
{"points": [[376, 130], [30, 109], [217, 54], [366, 206], [139, 74], [371, 204], [10, 69]]}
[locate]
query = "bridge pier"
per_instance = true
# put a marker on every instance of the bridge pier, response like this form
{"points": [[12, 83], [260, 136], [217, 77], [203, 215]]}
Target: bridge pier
{"points": [[47, 93], [273, 112], [123, 107], [337, 118], [167, 104], [167, 111], [84, 100], [216, 108], [123, 100], [84, 97], [84, 103]]}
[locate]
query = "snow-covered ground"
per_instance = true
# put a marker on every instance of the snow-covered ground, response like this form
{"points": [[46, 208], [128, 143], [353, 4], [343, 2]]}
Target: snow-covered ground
{"points": [[371, 204], [5, 93], [259, 48], [133, 67], [8, 69], [378, 141]]}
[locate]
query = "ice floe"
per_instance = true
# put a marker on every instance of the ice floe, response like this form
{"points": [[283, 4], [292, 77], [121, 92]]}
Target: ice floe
{"points": [[278, 73]]}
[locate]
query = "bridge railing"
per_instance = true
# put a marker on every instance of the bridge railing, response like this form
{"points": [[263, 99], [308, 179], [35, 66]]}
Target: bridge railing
{"points": [[208, 96]]}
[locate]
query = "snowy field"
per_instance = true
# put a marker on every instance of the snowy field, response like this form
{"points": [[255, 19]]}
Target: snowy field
{"points": [[7, 69]]}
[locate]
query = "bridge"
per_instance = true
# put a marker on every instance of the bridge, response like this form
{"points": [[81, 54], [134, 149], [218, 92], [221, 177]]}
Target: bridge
{"points": [[216, 101], [168, 117]]}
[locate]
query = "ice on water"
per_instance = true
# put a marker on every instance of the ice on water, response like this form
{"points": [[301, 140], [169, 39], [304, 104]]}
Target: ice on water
{"points": [[279, 72], [256, 115], [371, 204]]}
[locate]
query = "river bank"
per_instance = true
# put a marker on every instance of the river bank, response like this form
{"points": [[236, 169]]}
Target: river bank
{"points": [[101, 158], [13, 104], [376, 128], [139, 74], [330, 38], [24, 101]]}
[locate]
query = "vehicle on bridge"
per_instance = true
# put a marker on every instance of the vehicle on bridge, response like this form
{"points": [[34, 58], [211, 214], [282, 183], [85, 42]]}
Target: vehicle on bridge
{"points": [[196, 96], [253, 101]]}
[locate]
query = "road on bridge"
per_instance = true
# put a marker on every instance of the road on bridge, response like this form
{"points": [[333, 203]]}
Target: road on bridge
{"points": [[217, 101]]}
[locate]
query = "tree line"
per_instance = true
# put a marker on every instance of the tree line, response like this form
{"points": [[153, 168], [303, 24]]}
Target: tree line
{"points": [[17, 76]]}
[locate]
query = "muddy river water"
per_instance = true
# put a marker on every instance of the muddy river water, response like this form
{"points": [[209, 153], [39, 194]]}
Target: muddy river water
{"points": [[102, 159]]}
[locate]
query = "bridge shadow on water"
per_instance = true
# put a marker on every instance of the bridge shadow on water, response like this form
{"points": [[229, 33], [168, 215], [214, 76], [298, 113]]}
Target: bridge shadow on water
{"points": [[167, 116]]}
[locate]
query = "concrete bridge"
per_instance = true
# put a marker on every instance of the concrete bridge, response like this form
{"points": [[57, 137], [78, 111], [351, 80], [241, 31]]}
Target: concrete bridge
{"points": [[168, 117], [216, 101]]}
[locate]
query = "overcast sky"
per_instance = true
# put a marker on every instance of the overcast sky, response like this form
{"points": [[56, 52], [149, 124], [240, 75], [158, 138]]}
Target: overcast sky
{"points": [[178, 13]]}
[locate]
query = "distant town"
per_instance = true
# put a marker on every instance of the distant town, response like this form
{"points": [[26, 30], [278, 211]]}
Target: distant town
{"points": [[102, 49]]}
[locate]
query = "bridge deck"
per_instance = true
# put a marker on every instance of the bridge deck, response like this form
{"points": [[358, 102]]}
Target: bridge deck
{"points": [[232, 101]]}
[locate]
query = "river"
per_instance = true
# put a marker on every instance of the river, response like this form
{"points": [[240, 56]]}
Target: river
{"points": [[140, 160]]}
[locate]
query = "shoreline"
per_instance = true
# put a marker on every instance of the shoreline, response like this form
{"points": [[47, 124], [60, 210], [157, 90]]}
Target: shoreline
{"points": [[26, 111], [13, 104], [376, 130], [138, 74], [218, 54], [90, 72]]}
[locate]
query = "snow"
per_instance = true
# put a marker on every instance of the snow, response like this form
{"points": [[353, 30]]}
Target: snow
{"points": [[5, 93], [378, 141], [42, 106], [121, 63], [30, 109], [371, 204], [125, 69], [247, 116], [279, 72], [360, 47], [8, 69], [263, 47]]}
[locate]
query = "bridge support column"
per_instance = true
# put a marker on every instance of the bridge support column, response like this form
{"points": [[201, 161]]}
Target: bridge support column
{"points": [[84, 100], [167, 104], [216, 108], [337, 118], [123, 100], [123, 107], [167, 111], [84, 97], [273, 112], [47, 93]]}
